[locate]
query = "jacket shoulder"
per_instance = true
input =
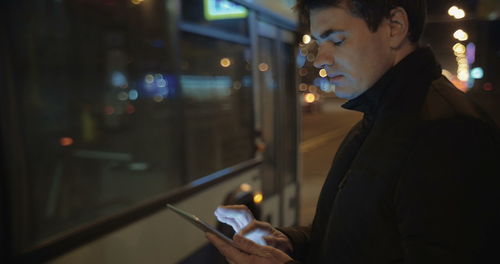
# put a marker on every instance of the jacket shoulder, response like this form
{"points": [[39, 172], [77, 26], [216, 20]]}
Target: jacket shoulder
{"points": [[444, 101]]}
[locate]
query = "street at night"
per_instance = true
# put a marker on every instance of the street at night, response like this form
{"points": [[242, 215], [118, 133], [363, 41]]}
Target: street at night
{"points": [[322, 133]]}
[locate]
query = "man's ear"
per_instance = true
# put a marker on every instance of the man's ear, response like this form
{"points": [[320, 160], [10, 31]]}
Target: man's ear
{"points": [[399, 26]]}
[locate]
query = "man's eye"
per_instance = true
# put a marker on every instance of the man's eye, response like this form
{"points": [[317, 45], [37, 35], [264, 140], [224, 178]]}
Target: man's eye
{"points": [[338, 43]]}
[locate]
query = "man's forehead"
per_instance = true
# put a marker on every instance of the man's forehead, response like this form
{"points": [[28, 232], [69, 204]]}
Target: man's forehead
{"points": [[333, 18]]}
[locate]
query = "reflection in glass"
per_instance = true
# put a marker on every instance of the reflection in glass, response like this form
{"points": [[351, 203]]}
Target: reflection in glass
{"points": [[268, 85], [220, 14], [96, 139], [218, 104]]}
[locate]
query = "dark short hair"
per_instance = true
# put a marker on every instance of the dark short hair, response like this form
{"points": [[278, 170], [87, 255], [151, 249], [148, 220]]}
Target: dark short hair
{"points": [[373, 12]]}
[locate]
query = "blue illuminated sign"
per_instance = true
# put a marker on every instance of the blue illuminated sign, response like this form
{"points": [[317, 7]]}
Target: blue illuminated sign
{"points": [[471, 53], [206, 87], [477, 73], [223, 9]]}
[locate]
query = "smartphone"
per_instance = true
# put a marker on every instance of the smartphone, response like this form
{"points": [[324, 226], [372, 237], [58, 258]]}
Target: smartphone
{"points": [[202, 225]]}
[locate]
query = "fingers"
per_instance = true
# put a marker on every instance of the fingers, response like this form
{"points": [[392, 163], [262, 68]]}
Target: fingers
{"points": [[257, 236], [271, 241], [282, 244], [235, 222], [235, 211], [256, 225], [230, 221], [237, 216], [256, 253]]}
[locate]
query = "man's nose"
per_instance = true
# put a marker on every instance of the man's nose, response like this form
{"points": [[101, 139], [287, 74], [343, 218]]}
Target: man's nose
{"points": [[324, 58]]}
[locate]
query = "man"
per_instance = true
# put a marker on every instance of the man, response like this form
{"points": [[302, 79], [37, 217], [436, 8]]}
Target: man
{"points": [[415, 181]]}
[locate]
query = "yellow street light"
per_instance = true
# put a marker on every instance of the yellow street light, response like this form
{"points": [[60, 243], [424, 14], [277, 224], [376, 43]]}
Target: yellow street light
{"points": [[309, 98], [461, 35], [459, 48], [263, 67], [453, 10], [306, 39], [459, 14], [245, 187], [258, 197], [462, 60], [456, 12], [323, 73], [225, 62], [463, 76]]}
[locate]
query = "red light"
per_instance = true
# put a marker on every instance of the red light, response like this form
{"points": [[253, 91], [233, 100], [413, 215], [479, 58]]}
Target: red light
{"points": [[109, 110], [488, 87], [66, 141], [130, 109]]}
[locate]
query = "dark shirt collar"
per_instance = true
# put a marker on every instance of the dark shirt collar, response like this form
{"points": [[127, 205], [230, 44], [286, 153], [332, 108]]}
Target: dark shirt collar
{"points": [[418, 67]]}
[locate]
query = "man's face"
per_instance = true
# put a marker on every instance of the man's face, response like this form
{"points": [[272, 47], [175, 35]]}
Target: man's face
{"points": [[353, 56]]}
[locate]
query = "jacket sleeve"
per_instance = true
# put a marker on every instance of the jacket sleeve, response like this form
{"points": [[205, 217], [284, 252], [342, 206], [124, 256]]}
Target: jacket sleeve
{"points": [[446, 200], [299, 236]]}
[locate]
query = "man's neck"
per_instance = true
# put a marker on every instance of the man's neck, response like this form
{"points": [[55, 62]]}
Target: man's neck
{"points": [[404, 50]]}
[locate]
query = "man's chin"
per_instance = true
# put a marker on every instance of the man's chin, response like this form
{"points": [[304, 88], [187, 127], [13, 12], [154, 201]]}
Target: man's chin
{"points": [[343, 95]]}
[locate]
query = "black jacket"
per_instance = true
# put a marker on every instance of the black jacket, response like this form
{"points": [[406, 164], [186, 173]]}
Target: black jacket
{"points": [[415, 181]]}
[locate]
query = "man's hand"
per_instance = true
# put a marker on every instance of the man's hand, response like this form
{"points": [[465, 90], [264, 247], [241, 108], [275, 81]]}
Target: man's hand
{"points": [[257, 230], [243, 223], [254, 253], [237, 216]]}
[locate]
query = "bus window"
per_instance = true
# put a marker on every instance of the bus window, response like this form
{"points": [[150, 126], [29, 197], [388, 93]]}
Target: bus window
{"points": [[217, 91], [268, 71], [111, 108], [289, 98], [95, 92]]}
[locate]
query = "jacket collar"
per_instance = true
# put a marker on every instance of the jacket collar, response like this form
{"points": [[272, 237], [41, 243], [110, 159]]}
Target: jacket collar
{"points": [[400, 85]]}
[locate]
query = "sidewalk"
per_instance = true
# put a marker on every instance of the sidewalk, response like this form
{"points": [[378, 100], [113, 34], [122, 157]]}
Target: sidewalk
{"points": [[321, 136]]}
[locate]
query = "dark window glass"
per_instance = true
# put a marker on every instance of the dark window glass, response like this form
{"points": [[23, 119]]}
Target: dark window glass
{"points": [[290, 115], [95, 98], [268, 73], [220, 14], [217, 91], [103, 119]]}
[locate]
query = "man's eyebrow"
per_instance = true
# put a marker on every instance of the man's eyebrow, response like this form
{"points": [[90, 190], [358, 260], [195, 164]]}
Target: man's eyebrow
{"points": [[327, 33]]}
